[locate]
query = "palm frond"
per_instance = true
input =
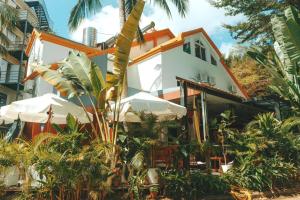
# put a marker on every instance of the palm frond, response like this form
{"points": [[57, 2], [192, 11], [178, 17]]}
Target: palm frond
{"points": [[83, 9], [286, 30], [8, 16], [181, 5]]}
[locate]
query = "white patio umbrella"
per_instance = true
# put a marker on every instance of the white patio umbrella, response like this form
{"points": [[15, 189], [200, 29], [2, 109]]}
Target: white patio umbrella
{"points": [[149, 104], [37, 110]]}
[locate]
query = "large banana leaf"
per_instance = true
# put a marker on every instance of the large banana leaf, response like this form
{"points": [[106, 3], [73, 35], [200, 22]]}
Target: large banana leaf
{"points": [[55, 78], [286, 30], [83, 72], [125, 38]]}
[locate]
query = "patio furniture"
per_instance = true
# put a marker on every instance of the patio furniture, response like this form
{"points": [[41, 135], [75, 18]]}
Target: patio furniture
{"points": [[163, 157], [196, 164], [216, 162]]}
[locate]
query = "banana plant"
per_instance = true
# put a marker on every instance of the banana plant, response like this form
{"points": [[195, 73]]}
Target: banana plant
{"points": [[286, 29], [77, 75], [284, 63]]}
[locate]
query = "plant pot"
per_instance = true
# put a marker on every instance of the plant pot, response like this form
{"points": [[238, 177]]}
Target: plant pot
{"points": [[153, 176], [153, 192], [10, 176], [225, 168], [153, 195]]}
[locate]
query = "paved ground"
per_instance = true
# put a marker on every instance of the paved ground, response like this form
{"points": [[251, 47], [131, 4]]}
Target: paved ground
{"points": [[294, 197]]}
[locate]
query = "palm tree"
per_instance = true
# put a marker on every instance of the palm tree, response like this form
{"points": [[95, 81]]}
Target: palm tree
{"points": [[8, 21], [86, 8]]}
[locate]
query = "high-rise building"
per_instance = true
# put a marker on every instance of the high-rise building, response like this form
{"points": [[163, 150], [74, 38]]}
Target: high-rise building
{"points": [[13, 64]]}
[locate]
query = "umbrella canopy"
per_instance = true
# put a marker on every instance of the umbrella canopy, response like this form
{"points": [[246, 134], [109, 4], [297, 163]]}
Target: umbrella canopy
{"points": [[37, 110], [144, 102]]}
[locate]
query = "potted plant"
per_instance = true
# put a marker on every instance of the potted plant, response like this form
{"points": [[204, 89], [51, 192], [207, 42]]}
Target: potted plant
{"points": [[223, 130]]}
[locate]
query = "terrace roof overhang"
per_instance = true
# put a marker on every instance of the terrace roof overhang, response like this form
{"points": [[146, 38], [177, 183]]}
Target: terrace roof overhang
{"points": [[210, 90], [204, 87]]}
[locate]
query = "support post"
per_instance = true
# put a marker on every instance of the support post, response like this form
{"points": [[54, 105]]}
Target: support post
{"points": [[21, 59], [204, 115], [186, 161]]}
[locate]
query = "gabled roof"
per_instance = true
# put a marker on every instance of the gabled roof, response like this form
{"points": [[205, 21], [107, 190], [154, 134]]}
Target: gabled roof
{"points": [[151, 36], [178, 41], [60, 41]]}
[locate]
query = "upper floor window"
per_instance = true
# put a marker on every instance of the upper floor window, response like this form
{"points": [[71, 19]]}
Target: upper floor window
{"points": [[213, 60], [187, 47], [200, 51]]}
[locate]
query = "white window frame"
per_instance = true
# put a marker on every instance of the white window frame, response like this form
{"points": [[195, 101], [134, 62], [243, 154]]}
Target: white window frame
{"points": [[202, 48]]}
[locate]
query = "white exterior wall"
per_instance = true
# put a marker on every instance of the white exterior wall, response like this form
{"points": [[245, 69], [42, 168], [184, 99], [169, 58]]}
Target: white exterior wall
{"points": [[160, 71], [44, 52], [147, 75], [141, 49]]}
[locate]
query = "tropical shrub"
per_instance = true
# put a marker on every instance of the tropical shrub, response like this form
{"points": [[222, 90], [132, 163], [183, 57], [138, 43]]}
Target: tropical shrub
{"points": [[193, 185], [77, 75], [266, 154]]}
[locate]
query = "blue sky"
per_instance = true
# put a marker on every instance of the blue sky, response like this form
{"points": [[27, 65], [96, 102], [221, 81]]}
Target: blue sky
{"points": [[201, 14]]}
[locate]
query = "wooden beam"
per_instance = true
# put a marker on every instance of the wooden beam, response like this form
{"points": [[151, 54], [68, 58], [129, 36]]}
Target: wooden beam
{"points": [[204, 115], [186, 160]]}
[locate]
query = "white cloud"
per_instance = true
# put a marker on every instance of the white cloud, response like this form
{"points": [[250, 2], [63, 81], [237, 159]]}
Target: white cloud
{"points": [[227, 48], [201, 14]]}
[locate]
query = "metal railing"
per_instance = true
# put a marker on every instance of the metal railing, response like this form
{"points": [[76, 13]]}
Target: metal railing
{"points": [[15, 46], [28, 16], [10, 77]]}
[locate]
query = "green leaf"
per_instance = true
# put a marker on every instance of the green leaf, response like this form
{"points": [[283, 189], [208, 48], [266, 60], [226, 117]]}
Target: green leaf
{"points": [[53, 77], [72, 122], [286, 30]]}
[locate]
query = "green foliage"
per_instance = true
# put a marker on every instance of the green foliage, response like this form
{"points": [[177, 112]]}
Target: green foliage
{"points": [[284, 68], [83, 9], [261, 174], [193, 185], [254, 78], [286, 29], [256, 28], [8, 20], [267, 154], [64, 162]]}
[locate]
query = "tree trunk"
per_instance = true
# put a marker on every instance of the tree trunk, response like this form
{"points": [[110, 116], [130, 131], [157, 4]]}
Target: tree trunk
{"points": [[122, 14]]}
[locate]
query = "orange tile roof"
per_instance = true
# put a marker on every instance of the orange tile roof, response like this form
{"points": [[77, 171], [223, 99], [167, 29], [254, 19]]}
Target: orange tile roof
{"points": [[60, 41]]}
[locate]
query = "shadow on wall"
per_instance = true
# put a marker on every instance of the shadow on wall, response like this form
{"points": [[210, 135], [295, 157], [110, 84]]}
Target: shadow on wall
{"points": [[157, 83]]}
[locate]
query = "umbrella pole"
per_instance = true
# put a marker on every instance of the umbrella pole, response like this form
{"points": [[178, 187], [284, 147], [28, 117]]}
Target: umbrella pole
{"points": [[48, 123]]}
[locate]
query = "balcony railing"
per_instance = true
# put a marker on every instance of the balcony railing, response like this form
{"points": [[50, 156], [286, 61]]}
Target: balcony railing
{"points": [[15, 46], [28, 16], [11, 76]]}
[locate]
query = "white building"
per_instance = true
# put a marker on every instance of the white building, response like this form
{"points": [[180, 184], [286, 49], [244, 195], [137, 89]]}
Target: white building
{"points": [[159, 66], [13, 64], [44, 49], [192, 55], [153, 66]]}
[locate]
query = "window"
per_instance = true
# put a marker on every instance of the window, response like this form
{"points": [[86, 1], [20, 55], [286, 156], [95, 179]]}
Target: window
{"points": [[200, 50], [3, 99], [187, 47], [213, 60]]}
